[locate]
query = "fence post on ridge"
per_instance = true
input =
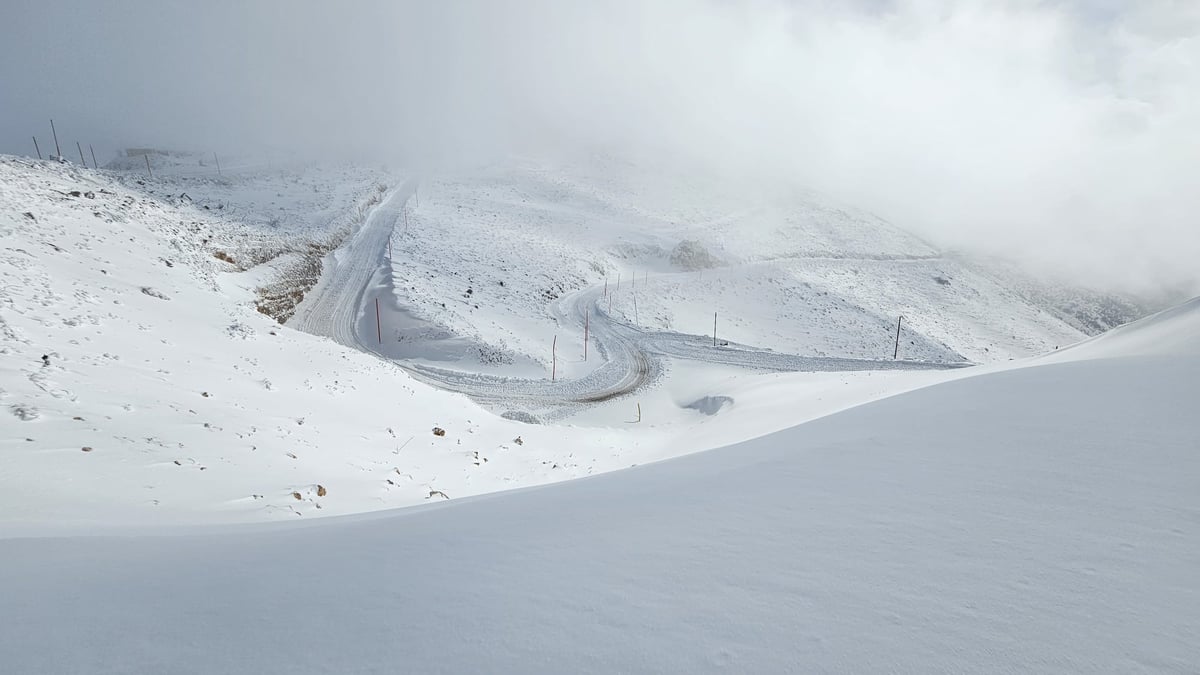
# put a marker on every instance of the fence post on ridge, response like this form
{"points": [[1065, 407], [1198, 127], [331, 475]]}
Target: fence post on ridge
{"points": [[57, 150]]}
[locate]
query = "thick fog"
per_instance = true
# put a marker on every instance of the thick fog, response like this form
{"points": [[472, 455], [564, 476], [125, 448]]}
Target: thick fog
{"points": [[1063, 133]]}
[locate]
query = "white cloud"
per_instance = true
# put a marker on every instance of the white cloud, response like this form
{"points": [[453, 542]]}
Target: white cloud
{"points": [[1066, 133]]}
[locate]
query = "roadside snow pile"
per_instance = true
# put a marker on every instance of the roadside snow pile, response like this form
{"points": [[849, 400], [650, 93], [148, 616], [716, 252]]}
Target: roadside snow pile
{"points": [[1038, 519]]}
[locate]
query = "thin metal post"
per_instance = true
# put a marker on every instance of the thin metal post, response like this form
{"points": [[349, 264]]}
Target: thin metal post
{"points": [[57, 150], [95, 164], [148, 170], [81, 159], [35, 147], [896, 351]]}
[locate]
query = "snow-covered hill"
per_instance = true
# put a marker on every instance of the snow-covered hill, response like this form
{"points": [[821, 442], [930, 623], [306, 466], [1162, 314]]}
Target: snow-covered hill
{"points": [[1035, 519], [485, 250], [139, 382]]}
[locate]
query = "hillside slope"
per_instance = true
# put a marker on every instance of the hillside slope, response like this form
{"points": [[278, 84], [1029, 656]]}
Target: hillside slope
{"points": [[140, 382], [484, 250]]}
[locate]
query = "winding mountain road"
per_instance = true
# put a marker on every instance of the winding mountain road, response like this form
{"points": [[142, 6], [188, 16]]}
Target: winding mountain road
{"points": [[632, 356]]}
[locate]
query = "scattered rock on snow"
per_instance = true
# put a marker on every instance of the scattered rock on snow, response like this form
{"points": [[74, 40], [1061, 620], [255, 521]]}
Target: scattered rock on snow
{"points": [[438, 431], [25, 413], [154, 293]]}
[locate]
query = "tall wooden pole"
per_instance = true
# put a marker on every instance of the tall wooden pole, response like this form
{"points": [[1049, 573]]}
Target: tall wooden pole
{"points": [[148, 170], [218, 161], [587, 323], [81, 159], [378, 323], [35, 147], [95, 164], [896, 351], [714, 329], [554, 359]]}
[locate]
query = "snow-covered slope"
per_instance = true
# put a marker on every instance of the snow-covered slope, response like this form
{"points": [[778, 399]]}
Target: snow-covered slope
{"points": [[1172, 331], [1038, 519], [165, 396], [152, 301], [485, 250]]}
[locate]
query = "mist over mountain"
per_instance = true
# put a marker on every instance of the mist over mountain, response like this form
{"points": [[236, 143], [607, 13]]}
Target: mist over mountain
{"points": [[1060, 134]]}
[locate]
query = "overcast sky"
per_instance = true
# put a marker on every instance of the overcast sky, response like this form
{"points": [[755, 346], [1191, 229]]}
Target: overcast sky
{"points": [[1066, 133]]}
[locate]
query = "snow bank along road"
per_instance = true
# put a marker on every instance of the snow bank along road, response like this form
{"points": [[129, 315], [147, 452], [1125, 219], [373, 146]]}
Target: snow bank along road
{"points": [[631, 356]]}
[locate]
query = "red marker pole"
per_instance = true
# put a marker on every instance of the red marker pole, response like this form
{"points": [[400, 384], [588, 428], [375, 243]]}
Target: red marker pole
{"points": [[378, 325]]}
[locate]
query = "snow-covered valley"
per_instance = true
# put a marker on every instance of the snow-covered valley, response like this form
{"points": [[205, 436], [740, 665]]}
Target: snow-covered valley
{"points": [[153, 299], [185, 356]]}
